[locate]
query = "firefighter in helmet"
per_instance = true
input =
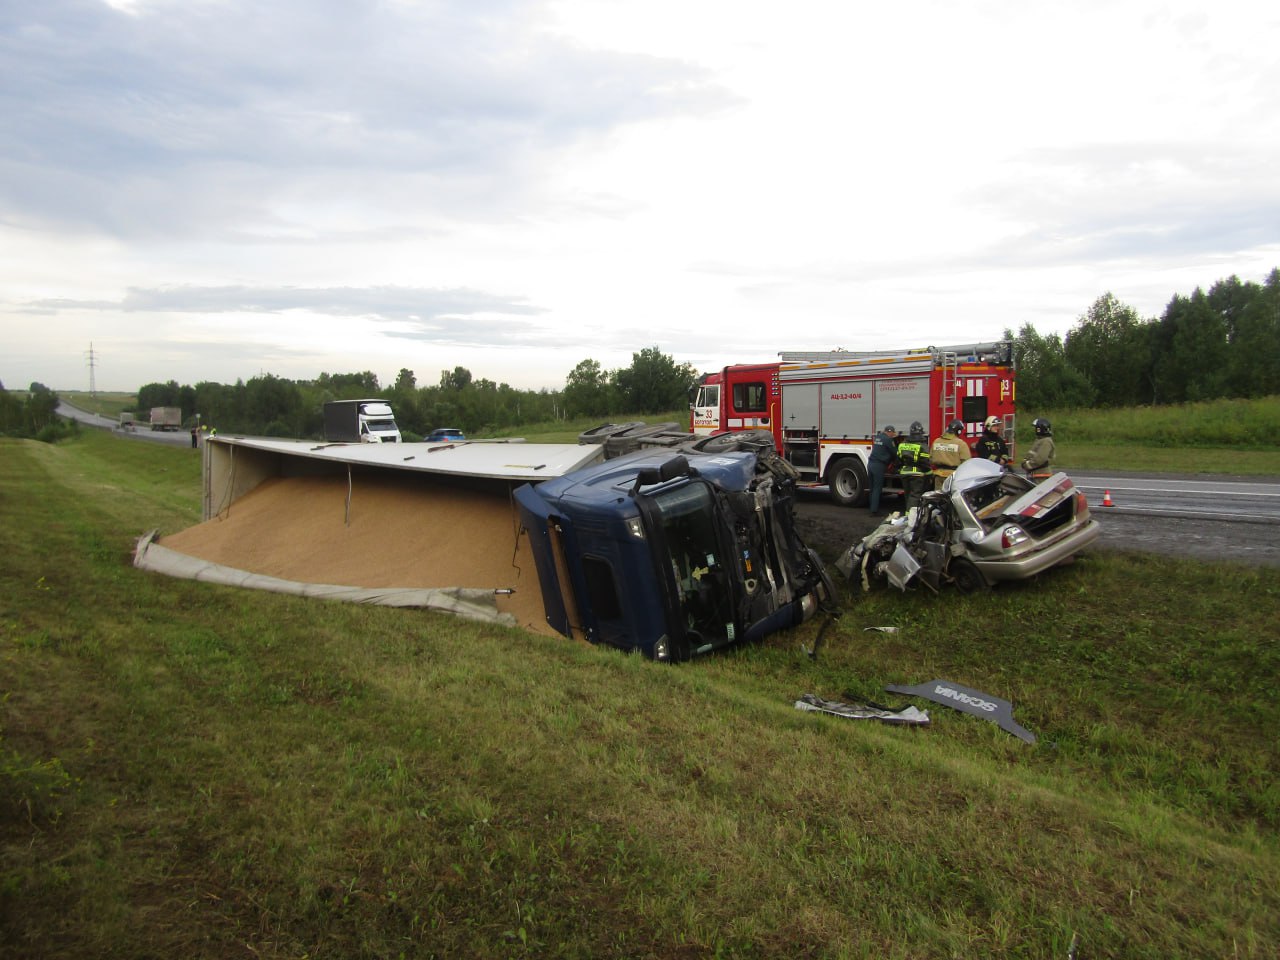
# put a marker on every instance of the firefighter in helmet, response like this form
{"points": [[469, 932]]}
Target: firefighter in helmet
{"points": [[1039, 459], [948, 452], [991, 445], [913, 463]]}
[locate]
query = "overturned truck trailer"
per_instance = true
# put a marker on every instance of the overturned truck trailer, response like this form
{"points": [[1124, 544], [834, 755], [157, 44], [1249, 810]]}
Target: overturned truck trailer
{"points": [[667, 550], [673, 553]]}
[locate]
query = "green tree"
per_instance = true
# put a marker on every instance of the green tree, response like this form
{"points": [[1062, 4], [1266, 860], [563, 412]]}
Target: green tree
{"points": [[40, 410], [11, 421], [586, 390], [1191, 354], [1110, 346], [1045, 379], [457, 379], [159, 395], [1254, 362], [349, 386], [654, 382]]}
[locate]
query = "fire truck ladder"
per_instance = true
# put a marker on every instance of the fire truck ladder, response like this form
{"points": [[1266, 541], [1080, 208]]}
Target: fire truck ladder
{"points": [[950, 386]]}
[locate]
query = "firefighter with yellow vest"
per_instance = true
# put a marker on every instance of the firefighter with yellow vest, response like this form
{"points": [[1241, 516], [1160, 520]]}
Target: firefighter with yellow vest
{"points": [[913, 463], [948, 452]]}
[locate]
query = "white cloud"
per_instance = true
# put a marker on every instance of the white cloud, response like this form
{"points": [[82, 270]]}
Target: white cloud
{"points": [[209, 190]]}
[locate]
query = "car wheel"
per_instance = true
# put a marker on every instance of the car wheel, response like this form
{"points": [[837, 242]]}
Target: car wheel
{"points": [[966, 576], [847, 481]]}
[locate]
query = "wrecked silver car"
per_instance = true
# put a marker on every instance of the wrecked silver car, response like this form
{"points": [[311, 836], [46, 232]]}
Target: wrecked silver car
{"points": [[987, 524]]}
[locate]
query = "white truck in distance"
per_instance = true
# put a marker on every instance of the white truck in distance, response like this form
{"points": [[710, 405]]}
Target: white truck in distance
{"points": [[360, 421], [166, 418]]}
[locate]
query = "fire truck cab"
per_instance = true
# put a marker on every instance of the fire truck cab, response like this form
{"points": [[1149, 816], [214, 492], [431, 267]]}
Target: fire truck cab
{"points": [[824, 409]]}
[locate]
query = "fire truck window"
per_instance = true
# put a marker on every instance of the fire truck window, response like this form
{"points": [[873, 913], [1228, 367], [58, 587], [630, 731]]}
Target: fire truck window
{"points": [[749, 398], [601, 588], [973, 409], [710, 396]]}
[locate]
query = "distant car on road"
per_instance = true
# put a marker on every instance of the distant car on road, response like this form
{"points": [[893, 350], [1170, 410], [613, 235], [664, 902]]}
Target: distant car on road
{"points": [[445, 435]]}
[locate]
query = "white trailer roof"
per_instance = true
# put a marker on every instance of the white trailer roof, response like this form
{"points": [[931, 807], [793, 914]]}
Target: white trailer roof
{"points": [[495, 459]]}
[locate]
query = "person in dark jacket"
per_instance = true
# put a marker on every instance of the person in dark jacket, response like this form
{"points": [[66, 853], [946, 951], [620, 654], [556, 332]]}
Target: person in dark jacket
{"points": [[883, 450], [991, 445]]}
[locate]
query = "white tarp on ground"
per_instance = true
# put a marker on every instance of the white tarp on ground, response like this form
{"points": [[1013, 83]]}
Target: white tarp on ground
{"points": [[471, 603]]}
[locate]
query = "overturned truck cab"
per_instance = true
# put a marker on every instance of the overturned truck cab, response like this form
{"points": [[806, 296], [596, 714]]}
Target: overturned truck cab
{"points": [[672, 554]]}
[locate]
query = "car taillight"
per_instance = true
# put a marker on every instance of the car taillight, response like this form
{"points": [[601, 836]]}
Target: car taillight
{"points": [[1013, 536], [1082, 502]]}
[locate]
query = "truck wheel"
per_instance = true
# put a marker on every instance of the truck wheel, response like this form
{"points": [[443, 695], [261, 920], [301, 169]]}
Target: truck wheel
{"points": [[966, 576], [605, 430], [847, 481], [628, 440], [732, 440]]}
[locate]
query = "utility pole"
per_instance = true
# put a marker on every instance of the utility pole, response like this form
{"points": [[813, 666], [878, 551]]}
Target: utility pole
{"points": [[93, 389]]}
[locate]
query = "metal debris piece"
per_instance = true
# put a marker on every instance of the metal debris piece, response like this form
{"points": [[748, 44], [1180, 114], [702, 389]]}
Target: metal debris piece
{"points": [[862, 711]]}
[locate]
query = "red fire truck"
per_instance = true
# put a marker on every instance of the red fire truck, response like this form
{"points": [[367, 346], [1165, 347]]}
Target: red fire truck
{"points": [[823, 409]]}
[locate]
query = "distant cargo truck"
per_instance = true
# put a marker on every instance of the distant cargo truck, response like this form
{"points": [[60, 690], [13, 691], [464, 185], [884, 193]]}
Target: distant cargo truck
{"points": [[128, 421], [166, 418], [360, 421]]}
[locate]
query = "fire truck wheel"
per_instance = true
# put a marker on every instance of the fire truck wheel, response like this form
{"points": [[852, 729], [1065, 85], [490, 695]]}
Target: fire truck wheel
{"points": [[847, 481]]}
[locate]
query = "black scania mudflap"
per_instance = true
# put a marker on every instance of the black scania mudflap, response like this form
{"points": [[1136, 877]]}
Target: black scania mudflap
{"points": [[967, 700]]}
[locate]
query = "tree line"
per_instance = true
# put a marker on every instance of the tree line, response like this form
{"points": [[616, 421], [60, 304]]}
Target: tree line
{"points": [[1207, 346], [35, 416], [272, 406], [1224, 343]]}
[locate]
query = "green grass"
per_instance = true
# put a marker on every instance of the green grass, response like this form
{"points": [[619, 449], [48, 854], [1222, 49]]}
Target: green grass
{"points": [[189, 770], [105, 404], [1219, 436]]}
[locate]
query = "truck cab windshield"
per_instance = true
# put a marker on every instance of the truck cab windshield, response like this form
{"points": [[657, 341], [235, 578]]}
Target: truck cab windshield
{"points": [[688, 517]]}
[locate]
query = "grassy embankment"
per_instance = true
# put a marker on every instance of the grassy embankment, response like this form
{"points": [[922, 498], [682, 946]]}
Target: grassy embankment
{"points": [[196, 771]]}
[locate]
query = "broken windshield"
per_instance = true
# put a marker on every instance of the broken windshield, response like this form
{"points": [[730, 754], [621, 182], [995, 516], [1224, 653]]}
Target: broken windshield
{"points": [[688, 517]]}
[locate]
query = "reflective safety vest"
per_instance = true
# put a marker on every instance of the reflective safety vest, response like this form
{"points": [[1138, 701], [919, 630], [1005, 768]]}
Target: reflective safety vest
{"points": [[912, 457]]}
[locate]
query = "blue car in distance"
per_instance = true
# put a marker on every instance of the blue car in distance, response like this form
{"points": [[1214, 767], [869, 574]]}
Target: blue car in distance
{"points": [[445, 435]]}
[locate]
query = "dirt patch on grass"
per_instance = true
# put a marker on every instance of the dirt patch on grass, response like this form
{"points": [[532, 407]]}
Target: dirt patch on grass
{"points": [[399, 532]]}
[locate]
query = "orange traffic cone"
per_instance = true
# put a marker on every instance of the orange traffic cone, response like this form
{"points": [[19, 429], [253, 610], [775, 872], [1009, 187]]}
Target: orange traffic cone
{"points": [[1106, 499]]}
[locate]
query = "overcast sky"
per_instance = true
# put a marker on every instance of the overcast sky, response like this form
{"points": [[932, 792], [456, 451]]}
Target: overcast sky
{"points": [[215, 189]]}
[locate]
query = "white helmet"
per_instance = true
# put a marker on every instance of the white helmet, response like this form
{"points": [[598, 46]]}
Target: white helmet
{"points": [[992, 423]]}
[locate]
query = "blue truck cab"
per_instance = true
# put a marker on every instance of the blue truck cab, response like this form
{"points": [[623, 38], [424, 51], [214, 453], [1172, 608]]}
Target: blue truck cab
{"points": [[672, 554]]}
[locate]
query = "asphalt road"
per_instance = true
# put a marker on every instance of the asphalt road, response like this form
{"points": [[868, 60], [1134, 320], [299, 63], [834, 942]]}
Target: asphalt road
{"points": [[177, 438]]}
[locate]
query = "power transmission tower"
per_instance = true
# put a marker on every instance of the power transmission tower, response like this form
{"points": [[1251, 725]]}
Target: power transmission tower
{"points": [[93, 389]]}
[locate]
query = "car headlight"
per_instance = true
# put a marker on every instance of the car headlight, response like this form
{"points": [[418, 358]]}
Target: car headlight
{"points": [[1013, 536]]}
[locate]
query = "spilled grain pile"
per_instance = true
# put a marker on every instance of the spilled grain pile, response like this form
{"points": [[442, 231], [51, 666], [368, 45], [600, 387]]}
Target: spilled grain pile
{"points": [[398, 532]]}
